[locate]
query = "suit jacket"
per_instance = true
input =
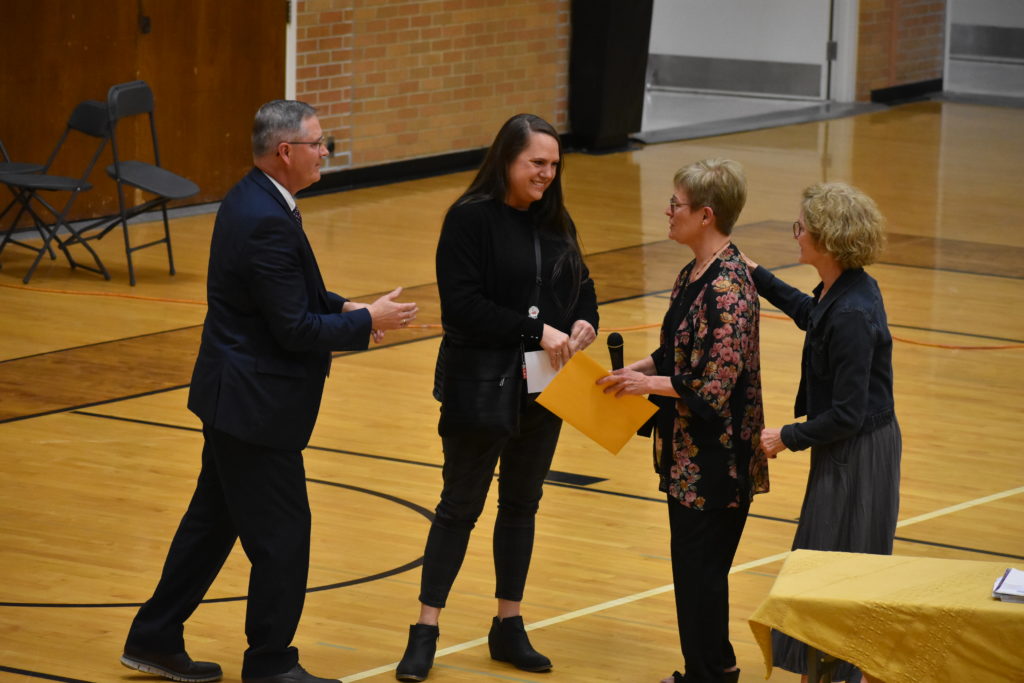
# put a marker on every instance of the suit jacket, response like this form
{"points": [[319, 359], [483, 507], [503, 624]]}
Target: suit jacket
{"points": [[271, 325]]}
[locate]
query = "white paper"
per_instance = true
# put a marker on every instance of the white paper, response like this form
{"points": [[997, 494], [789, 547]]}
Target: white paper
{"points": [[1010, 586], [539, 372]]}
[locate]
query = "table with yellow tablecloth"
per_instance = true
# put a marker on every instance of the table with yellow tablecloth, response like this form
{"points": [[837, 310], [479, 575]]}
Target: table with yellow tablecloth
{"points": [[899, 619]]}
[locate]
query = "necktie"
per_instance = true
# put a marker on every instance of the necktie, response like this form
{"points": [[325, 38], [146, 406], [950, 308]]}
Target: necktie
{"points": [[298, 216]]}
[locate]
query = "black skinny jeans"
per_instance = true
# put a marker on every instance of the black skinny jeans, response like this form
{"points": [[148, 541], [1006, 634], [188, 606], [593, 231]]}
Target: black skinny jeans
{"points": [[469, 462]]}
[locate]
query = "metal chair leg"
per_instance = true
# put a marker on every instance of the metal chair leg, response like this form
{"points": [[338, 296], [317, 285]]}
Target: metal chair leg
{"points": [[167, 237], [820, 666]]}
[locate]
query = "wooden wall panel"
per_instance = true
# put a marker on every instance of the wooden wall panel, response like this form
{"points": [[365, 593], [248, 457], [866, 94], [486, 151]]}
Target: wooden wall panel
{"points": [[56, 53], [210, 66]]}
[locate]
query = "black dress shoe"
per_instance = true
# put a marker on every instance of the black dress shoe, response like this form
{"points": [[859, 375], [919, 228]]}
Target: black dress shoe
{"points": [[419, 653], [295, 675], [508, 643], [727, 677], [177, 667]]}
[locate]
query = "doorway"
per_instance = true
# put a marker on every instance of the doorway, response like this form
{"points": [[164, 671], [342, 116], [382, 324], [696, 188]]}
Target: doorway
{"points": [[730, 65]]}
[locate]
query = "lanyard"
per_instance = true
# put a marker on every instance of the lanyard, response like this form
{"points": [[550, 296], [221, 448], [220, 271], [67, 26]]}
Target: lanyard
{"points": [[534, 311]]}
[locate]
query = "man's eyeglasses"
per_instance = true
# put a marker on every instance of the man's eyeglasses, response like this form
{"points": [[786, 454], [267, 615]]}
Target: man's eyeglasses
{"points": [[674, 204], [316, 144], [797, 229]]}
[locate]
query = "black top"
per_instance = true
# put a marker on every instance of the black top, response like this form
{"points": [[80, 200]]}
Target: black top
{"points": [[486, 270], [846, 370]]}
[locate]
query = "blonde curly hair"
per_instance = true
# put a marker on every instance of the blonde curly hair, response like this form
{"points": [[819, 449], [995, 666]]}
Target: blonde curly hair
{"points": [[844, 222]]}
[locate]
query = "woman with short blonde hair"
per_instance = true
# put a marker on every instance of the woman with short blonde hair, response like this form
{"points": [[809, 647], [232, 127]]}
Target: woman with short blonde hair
{"points": [[705, 377]]}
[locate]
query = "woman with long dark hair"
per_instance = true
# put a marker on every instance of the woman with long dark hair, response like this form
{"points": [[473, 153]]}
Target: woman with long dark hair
{"points": [[511, 279]]}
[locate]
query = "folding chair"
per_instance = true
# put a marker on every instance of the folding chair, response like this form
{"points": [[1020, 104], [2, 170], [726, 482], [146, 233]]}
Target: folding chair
{"points": [[8, 167], [88, 118], [125, 100]]}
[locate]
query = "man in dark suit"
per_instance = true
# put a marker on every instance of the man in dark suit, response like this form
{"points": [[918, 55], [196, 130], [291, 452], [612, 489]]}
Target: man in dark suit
{"points": [[266, 349]]}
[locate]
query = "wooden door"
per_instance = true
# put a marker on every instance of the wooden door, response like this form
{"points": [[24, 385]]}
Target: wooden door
{"points": [[210, 65]]}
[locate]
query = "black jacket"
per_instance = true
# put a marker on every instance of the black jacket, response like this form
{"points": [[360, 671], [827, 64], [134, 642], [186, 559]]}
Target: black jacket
{"points": [[486, 269], [846, 371], [270, 325]]}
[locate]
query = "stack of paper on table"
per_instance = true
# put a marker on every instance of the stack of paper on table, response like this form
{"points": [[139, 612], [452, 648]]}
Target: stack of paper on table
{"points": [[1010, 586]]}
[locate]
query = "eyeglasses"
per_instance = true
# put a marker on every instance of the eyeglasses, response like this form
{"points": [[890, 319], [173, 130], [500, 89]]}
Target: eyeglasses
{"points": [[797, 229], [674, 204], [316, 144]]}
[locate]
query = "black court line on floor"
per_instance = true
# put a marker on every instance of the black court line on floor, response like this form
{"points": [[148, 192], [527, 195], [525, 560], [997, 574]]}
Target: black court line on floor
{"points": [[339, 354], [154, 392], [641, 245], [915, 327], [106, 401], [663, 294], [39, 674], [315, 589], [554, 476], [100, 343], [957, 271], [559, 480]]}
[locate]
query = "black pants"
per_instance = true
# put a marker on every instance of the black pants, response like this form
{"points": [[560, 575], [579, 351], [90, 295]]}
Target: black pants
{"points": [[703, 546], [469, 462], [251, 493]]}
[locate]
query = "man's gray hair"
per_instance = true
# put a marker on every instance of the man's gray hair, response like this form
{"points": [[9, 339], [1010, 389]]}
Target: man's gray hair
{"points": [[278, 121]]}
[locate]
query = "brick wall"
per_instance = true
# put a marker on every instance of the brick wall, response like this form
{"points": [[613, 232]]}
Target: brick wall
{"points": [[901, 42], [398, 79]]}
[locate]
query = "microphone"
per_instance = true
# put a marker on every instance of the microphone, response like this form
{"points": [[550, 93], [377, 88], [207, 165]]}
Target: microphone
{"points": [[615, 350]]}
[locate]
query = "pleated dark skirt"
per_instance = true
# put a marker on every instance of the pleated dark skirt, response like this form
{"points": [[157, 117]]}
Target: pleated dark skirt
{"points": [[851, 505]]}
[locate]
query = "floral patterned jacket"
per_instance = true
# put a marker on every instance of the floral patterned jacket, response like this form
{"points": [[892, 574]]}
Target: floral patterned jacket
{"points": [[711, 351]]}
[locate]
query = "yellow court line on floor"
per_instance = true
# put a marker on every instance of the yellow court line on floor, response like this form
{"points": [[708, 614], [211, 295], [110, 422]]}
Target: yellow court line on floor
{"points": [[625, 600]]}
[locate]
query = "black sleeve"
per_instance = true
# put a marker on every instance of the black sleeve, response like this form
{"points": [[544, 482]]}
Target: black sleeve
{"points": [[275, 265], [789, 300], [586, 307], [336, 301], [849, 347]]}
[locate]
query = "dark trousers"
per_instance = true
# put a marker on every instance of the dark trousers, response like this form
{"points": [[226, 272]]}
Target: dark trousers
{"points": [[257, 495], [469, 462], [703, 546]]}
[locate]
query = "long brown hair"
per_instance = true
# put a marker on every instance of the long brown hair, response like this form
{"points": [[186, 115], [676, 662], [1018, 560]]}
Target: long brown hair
{"points": [[548, 213]]}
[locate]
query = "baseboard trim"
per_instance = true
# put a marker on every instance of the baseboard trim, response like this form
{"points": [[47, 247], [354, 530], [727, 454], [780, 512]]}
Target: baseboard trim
{"points": [[407, 169], [906, 92]]}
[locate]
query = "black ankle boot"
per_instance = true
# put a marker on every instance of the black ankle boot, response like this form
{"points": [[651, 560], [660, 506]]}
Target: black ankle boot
{"points": [[419, 653], [731, 676], [508, 643]]}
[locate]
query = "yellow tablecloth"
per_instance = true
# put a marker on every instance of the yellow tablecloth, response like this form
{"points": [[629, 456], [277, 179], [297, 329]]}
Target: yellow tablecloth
{"points": [[900, 619]]}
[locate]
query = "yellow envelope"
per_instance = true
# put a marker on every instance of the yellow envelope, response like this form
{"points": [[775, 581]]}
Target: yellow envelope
{"points": [[573, 396]]}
